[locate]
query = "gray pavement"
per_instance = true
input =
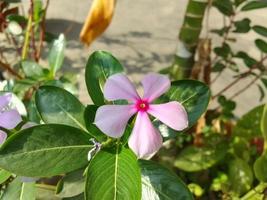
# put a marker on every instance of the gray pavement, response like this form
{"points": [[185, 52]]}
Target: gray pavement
{"points": [[143, 36]]}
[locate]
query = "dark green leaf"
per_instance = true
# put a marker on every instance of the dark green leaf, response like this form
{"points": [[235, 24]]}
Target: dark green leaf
{"points": [[260, 167], [193, 158], [32, 69], [254, 5], [99, 67], [45, 150], [18, 190], [56, 55], [240, 176], [57, 105], [224, 6], [249, 125], [113, 174], [193, 95], [17, 18], [223, 51], [262, 45], [260, 30], [218, 67], [242, 26], [159, 183], [249, 61], [238, 2]]}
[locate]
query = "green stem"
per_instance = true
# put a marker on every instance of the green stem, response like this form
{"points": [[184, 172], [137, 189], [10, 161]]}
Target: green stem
{"points": [[257, 190], [27, 39], [188, 39]]}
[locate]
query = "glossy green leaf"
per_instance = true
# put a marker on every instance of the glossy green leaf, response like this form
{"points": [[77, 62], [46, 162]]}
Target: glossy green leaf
{"points": [[57, 105], [260, 167], [264, 123], [193, 95], [72, 184], [261, 30], [99, 67], [113, 174], [252, 5], [249, 125], [240, 176], [262, 45], [159, 183], [242, 26], [224, 6], [4, 175], [18, 190], [193, 158], [56, 55], [32, 69], [45, 150]]}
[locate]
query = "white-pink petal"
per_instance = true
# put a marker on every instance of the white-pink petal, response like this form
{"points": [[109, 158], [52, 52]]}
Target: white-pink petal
{"points": [[173, 114], [118, 86], [112, 119], [3, 137], [145, 140], [10, 119], [4, 100], [155, 85]]}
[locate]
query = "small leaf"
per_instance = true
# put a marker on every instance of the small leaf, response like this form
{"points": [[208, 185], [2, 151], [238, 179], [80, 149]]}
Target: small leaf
{"points": [[99, 67], [223, 51], [57, 105], [45, 150], [4, 175], [238, 2], [218, 67], [113, 174], [254, 5], [261, 30], [240, 176], [32, 69], [56, 54], [159, 183], [249, 61], [224, 6], [262, 45], [19, 191], [260, 167], [242, 26]]}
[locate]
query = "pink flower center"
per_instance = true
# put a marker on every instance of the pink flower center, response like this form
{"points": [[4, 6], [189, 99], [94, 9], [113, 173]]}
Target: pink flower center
{"points": [[142, 105]]}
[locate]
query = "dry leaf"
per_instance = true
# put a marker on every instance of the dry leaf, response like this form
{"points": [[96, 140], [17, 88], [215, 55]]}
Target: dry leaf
{"points": [[97, 20]]}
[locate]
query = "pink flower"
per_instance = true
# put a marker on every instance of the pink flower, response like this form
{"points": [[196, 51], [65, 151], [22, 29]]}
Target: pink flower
{"points": [[9, 118], [145, 140]]}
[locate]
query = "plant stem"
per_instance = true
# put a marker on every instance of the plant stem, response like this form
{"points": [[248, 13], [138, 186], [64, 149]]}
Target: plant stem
{"points": [[7, 67], [257, 190]]}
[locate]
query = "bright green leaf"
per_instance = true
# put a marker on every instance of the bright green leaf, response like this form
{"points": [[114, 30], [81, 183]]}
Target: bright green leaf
{"points": [[99, 67], [45, 150], [4, 175], [113, 174], [159, 183]]}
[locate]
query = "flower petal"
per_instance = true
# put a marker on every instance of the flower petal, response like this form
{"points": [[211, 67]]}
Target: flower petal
{"points": [[145, 139], [172, 114], [118, 86], [10, 119], [4, 100], [155, 85], [3, 137], [112, 119]]}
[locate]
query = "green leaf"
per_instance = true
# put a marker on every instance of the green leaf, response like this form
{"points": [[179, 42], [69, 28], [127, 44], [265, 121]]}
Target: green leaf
{"points": [[72, 184], [264, 81], [242, 26], [159, 183], [240, 176], [32, 69], [18, 190], [223, 51], [249, 61], [57, 105], [264, 124], [56, 55], [113, 174], [249, 125], [193, 159], [193, 95], [261, 30], [260, 167], [45, 150], [238, 2], [262, 45], [4, 175], [254, 5], [99, 67], [224, 6], [218, 67]]}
